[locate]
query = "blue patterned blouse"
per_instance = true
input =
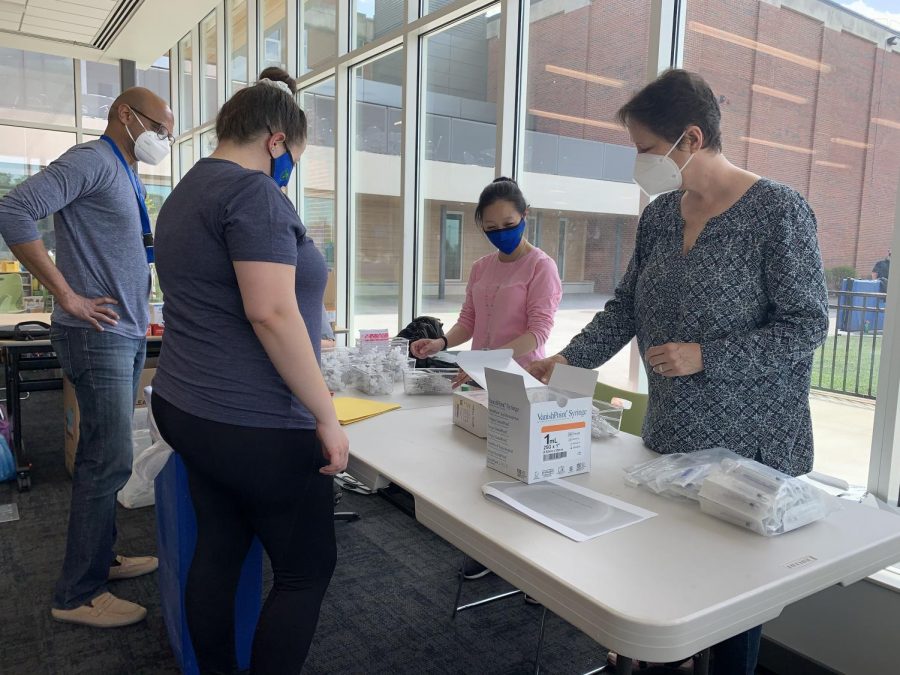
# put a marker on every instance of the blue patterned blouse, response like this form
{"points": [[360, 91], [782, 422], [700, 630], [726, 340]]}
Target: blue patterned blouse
{"points": [[752, 293]]}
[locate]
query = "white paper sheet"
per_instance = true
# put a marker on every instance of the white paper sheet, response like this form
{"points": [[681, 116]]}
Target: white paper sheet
{"points": [[577, 512], [475, 362]]}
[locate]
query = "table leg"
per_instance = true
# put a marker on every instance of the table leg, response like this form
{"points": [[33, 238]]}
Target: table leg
{"points": [[14, 409], [540, 647], [701, 663]]}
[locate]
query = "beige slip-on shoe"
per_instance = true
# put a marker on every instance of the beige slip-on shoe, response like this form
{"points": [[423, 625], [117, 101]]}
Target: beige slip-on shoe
{"points": [[128, 568], [104, 611]]}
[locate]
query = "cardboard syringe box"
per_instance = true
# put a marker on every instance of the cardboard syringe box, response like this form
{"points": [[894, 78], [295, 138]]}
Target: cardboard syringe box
{"points": [[540, 433], [470, 411]]}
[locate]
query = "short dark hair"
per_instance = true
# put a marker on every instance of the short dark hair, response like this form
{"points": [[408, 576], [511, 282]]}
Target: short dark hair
{"points": [[261, 108], [674, 101], [500, 189]]}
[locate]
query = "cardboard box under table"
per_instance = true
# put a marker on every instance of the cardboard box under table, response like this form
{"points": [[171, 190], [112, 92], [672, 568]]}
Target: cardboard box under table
{"points": [[539, 433]]}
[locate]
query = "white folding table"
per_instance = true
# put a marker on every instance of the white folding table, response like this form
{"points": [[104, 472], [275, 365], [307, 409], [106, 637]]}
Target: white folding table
{"points": [[661, 590]]}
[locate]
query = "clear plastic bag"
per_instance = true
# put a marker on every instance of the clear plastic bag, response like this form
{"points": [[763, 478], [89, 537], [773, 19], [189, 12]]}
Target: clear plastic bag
{"points": [[137, 492], [759, 498], [151, 461], [678, 475], [606, 419], [735, 489]]}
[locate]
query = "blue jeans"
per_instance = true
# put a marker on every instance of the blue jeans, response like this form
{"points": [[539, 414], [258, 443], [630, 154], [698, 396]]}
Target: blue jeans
{"points": [[737, 655], [105, 370]]}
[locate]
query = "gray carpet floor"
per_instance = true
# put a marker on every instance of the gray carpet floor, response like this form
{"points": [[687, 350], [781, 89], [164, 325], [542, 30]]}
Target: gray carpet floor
{"points": [[387, 609]]}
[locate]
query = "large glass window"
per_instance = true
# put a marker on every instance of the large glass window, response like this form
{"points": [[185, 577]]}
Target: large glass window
{"points": [[209, 96], [377, 214], [319, 40], [156, 77], [578, 161], [186, 83], [37, 88], [434, 5], [274, 45], [317, 175], [100, 85], [239, 67], [822, 115], [375, 18], [24, 152], [458, 150], [208, 143], [185, 157]]}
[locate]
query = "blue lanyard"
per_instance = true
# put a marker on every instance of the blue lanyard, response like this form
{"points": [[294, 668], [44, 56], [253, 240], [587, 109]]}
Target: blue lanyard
{"points": [[146, 232]]}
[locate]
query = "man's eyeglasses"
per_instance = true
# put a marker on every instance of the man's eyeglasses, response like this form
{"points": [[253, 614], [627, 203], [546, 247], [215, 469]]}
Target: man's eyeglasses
{"points": [[161, 132]]}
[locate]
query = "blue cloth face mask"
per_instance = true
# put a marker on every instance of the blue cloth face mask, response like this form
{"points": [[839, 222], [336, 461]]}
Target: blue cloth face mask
{"points": [[282, 167], [507, 240]]}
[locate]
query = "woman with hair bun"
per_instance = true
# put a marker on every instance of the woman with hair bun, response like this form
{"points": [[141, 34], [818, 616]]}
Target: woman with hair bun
{"points": [[260, 438]]}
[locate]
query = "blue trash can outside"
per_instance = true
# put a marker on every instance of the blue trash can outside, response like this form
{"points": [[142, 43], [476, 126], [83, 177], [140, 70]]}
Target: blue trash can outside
{"points": [[860, 314], [176, 529]]}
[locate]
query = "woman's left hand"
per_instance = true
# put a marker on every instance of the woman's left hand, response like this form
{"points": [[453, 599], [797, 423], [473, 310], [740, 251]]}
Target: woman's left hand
{"points": [[675, 359]]}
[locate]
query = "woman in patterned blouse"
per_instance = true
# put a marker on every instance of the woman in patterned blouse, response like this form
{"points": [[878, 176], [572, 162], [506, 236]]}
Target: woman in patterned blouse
{"points": [[725, 293]]}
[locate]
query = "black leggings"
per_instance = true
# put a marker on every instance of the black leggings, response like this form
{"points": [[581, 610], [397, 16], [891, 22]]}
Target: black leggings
{"points": [[248, 481]]}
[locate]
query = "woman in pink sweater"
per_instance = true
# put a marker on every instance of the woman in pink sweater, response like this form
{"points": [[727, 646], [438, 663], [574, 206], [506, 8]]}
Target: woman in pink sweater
{"points": [[512, 295]]}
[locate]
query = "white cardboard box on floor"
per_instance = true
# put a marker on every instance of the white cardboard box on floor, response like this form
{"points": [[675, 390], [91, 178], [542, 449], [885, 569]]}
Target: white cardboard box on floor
{"points": [[470, 411], [542, 432]]}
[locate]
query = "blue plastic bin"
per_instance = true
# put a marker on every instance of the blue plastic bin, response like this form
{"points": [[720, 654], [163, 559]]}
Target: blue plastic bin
{"points": [[866, 318], [176, 529]]}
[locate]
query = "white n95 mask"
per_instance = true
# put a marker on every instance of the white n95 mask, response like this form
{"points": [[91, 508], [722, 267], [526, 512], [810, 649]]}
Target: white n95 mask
{"points": [[656, 174], [148, 148]]}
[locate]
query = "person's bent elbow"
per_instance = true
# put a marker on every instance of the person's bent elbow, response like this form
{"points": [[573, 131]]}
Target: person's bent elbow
{"points": [[268, 317]]}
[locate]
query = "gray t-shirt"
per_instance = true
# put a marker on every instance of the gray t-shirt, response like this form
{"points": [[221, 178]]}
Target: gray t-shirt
{"points": [[212, 364], [99, 244]]}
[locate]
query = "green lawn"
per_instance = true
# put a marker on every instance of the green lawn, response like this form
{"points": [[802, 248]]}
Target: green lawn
{"points": [[829, 370]]}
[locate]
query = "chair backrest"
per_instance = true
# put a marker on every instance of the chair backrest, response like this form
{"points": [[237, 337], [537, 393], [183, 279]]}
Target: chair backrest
{"points": [[11, 293], [633, 418]]}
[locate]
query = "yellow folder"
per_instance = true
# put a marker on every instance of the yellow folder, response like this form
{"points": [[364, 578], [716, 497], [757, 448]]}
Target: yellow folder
{"points": [[350, 410]]}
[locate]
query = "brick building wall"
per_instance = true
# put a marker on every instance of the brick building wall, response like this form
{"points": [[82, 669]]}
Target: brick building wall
{"points": [[810, 106], [818, 109]]}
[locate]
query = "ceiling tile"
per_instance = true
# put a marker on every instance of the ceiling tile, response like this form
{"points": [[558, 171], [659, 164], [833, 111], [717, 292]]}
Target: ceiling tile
{"points": [[68, 8], [70, 33], [65, 17]]}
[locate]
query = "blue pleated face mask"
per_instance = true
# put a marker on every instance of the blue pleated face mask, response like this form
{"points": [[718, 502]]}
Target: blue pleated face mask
{"points": [[507, 240]]}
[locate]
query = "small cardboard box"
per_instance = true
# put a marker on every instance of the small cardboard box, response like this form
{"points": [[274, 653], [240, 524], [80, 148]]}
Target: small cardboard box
{"points": [[470, 411], [542, 432], [156, 313], [72, 416], [157, 324]]}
